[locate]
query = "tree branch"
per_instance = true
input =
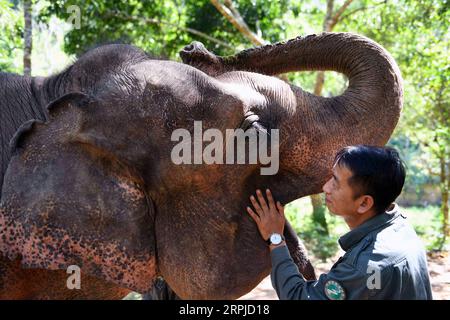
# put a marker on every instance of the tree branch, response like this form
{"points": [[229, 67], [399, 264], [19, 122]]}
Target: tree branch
{"points": [[327, 27], [338, 14], [156, 21], [359, 9], [233, 16]]}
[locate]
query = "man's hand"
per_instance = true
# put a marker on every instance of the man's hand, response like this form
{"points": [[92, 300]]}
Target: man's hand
{"points": [[269, 218]]}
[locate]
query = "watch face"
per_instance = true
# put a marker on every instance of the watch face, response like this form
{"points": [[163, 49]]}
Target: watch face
{"points": [[275, 238]]}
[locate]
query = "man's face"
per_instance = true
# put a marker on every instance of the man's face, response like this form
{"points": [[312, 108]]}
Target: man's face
{"points": [[339, 194]]}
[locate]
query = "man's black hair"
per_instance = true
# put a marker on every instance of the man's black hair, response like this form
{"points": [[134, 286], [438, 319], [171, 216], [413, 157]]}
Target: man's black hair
{"points": [[376, 171]]}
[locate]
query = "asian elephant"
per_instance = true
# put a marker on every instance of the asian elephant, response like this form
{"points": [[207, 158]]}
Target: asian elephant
{"points": [[89, 179]]}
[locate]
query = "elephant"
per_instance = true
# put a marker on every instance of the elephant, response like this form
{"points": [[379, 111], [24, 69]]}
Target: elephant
{"points": [[29, 103], [88, 178]]}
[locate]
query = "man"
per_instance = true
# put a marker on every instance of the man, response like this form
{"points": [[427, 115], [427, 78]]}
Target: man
{"points": [[384, 258]]}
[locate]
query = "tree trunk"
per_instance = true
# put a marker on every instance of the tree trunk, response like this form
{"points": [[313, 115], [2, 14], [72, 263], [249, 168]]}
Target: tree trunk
{"points": [[328, 24], [318, 213], [448, 200], [445, 186], [28, 37], [319, 217]]}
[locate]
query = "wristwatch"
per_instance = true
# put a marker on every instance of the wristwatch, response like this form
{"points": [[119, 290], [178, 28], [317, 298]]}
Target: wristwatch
{"points": [[275, 239]]}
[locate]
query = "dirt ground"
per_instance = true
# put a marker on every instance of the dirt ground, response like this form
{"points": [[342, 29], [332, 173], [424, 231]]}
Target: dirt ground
{"points": [[438, 264]]}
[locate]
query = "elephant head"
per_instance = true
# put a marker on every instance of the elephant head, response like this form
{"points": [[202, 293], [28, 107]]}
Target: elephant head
{"points": [[95, 185]]}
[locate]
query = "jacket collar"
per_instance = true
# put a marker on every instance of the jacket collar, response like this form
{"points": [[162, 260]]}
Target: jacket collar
{"points": [[354, 236]]}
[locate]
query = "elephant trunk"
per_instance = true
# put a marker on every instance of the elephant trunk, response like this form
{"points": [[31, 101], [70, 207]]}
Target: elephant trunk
{"points": [[366, 113], [370, 106]]}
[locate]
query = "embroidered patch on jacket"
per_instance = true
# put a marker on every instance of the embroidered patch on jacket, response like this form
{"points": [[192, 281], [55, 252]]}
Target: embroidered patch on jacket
{"points": [[334, 291]]}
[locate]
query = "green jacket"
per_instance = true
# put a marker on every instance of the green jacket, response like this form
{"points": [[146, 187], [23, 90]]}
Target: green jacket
{"points": [[384, 259]]}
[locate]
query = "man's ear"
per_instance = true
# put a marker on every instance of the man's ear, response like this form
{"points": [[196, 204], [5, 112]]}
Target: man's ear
{"points": [[366, 203], [66, 203]]}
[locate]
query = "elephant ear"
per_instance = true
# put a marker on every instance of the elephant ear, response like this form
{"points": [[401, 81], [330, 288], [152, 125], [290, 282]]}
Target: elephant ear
{"points": [[70, 203]]}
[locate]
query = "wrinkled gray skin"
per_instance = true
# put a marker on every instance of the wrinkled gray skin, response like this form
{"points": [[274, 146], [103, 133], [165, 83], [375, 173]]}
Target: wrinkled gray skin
{"points": [[94, 184]]}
